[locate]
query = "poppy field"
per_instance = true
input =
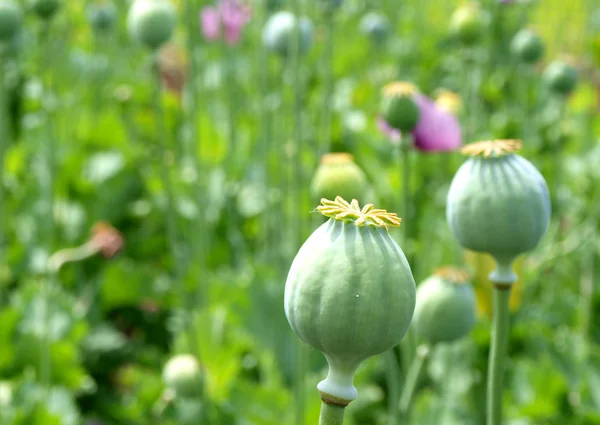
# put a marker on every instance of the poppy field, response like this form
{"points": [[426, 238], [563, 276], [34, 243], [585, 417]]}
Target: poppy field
{"points": [[299, 212]]}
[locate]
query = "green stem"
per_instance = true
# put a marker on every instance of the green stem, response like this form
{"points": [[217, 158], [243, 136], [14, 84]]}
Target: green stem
{"points": [[331, 414], [498, 353], [264, 78], [294, 192], [193, 151], [4, 137], [393, 378], [170, 215], [47, 188], [586, 289], [328, 82], [407, 198], [412, 379], [165, 159]]}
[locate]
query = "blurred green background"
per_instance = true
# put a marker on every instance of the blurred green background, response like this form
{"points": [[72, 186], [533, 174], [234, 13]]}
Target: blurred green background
{"points": [[205, 168]]}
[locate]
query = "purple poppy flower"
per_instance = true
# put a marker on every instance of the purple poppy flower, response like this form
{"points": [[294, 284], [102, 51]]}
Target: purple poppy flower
{"points": [[437, 130], [226, 19]]}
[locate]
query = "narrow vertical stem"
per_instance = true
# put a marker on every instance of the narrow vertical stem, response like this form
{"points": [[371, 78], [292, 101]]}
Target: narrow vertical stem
{"points": [[393, 378], [498, 354], [328, 82], [265, 145], [232, 102], [407, 198], [557, 164], [586, 289], [4, 137], [193, 151], [165, 172], [296, 170], [166, 157], [412, 379], [294, 192], [331, 414], [47, 188]]}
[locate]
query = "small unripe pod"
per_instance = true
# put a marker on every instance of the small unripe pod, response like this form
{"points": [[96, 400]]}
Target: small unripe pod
{"points": [[182, 374], [498, 202], [338, 175], [445, 309], [45, 9], [468, 23], [398, 106], [560, 77], [350, 292], [102, 15], [151, 22], [527, 46], [279, 33], [376, 26], [11, 17], [331, 4]]}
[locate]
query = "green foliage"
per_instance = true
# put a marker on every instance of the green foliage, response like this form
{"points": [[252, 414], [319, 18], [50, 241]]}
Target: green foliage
{"points": [[90, 342]]}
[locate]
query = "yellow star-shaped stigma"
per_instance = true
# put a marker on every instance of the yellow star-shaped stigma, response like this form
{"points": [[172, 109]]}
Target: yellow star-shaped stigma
{"points": [[341, 209], [492, 148]]}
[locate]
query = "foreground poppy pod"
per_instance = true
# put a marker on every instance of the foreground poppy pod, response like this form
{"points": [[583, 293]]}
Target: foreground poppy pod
{"points": [[498, 203], [350, 294]]}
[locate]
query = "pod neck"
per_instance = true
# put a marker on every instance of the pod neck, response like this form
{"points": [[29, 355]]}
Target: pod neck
{"points": [[503, 276], [338, 388]]}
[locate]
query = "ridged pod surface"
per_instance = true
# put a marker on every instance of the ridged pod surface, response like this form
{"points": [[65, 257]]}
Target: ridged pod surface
{"points": [[11, 17], [151, 22], [445, 309], [498, 201], [350, 292], [339, 175]]}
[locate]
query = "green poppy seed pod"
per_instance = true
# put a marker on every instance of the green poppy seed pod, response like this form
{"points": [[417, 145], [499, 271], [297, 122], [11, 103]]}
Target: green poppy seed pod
{"points": [[350, 292], [151, 22], [398, 106], [376, 26], [560, 77], [11, 18], [45, 9], [527, 46], [280, 29], [182, 374], [338, 175], [468, 23], [445, 309], [498, 203], [102, 15], [330, 5]]}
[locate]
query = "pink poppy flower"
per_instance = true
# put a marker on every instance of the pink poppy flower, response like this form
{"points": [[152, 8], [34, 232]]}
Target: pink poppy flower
{"points": [[437, 130], [227, 19]]}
